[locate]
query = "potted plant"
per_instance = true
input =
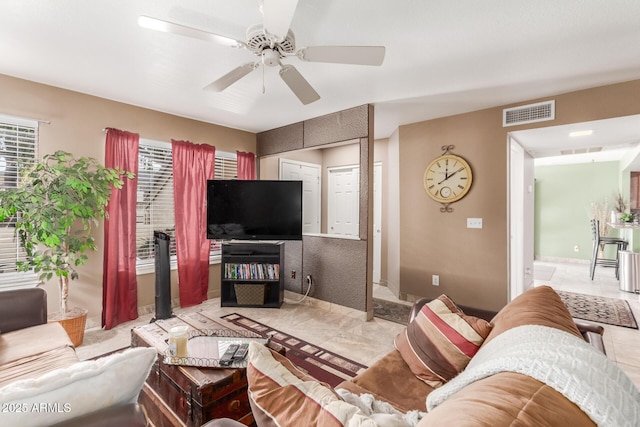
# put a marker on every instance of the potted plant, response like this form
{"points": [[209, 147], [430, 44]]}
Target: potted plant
{"points": [[56, 206], [626, 217]]}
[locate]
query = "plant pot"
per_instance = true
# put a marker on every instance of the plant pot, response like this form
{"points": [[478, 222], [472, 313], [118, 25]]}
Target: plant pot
{"points": [[616, 217], [73, 322]]}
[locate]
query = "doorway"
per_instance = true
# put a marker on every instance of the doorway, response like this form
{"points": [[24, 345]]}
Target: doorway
{"points": [[521, 219], [610, 140]]}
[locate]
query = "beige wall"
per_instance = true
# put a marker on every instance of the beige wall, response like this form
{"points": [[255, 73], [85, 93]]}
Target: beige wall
{"points": [[419, 240], [392, 223], [473, 264], [77, 123]]}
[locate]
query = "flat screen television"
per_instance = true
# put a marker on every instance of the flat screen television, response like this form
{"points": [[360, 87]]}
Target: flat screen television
{"points": [[254, 210]]}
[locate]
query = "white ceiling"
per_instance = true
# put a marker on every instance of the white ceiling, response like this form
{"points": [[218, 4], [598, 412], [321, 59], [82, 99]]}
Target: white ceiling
{"points": [[610, 140], [443, 57]]}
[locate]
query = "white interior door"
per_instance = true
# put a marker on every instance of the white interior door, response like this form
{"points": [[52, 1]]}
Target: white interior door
{"points": [[377, 221], [343, 201], [309, 174]]}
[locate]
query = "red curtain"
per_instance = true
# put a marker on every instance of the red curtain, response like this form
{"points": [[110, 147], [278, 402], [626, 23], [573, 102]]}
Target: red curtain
{"points": [[246, 165], [119, 281], [193, 165]]}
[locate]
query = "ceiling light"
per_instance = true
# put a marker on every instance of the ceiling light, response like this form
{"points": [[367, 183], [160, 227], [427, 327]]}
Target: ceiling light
{"points": [[580, 133]]}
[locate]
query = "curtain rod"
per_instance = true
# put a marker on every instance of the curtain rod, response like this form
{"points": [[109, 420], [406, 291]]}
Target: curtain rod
{"points": [[26, 119]]}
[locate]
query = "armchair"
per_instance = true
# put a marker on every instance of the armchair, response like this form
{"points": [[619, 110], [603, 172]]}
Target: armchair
{"points": [[22, 308]]}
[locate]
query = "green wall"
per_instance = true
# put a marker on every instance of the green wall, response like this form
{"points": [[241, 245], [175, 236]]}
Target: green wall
{"points": [[563, 195]]}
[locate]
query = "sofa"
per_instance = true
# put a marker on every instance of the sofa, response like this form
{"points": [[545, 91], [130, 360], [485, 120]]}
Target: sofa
{"points": [[527, 365], [42, 381]]}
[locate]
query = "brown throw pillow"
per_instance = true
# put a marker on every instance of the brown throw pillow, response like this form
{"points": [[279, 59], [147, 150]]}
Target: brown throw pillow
{"points": [[441, 340], [282, 395]]}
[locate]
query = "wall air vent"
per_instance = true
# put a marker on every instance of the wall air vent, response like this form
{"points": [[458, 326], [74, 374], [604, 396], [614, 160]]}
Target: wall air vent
{"points": [[532, 113], [581, 150]]}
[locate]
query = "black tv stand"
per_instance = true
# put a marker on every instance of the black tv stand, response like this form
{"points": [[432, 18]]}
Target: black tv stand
{"points": [[242, 253], [250, 269]]}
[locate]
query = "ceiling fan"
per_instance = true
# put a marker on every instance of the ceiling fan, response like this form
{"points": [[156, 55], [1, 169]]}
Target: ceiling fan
{"points": [[274, 41]]}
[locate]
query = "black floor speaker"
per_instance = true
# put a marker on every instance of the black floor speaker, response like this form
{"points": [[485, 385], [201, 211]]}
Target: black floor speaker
{"points": [[161, 242]]}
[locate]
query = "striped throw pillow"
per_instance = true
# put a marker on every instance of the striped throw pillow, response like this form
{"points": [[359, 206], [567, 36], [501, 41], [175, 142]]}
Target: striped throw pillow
{"points": [[440, 341], [282, 395]]}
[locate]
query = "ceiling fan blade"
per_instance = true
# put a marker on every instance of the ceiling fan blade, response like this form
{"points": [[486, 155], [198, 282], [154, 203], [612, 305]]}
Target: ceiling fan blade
{"points": [[170, 27], [298, 85], [277, 16], [232, 76], [358, 55]]}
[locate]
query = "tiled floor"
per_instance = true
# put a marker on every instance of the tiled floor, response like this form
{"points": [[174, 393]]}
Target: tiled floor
{"points": [[366, 342], [330, 328]]}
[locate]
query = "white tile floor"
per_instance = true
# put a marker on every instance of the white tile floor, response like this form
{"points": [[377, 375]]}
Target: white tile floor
{"points": [[366, 342]]}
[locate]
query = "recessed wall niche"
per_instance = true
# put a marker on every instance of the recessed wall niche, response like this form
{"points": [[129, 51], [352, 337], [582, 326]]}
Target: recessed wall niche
{"points": [[340, 268]]}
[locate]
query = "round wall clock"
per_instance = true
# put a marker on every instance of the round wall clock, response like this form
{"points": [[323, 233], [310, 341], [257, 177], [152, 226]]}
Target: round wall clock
{"points": [[448, 178]]}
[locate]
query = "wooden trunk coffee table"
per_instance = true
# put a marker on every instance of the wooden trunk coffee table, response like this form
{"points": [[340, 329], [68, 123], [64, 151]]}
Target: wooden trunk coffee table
{"points": [[176, 395]]}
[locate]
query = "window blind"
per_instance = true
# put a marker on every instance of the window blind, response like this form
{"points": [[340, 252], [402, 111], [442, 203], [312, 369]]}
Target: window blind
{"points": [[154, 207], [154, 199], [18, 150], [226, 165], [226, 168]]}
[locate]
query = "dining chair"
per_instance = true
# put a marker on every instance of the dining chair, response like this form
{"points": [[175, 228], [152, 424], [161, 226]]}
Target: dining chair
{"points": [[600, 241]]}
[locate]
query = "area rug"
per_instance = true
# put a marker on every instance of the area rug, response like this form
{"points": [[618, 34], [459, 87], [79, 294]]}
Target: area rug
{"points": [[393, 311], [321, 364], [611, 311]]}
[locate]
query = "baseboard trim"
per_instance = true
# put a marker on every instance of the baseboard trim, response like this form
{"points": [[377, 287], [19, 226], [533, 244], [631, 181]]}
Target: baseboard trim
{"points": [[562, 260], [294, 298]]}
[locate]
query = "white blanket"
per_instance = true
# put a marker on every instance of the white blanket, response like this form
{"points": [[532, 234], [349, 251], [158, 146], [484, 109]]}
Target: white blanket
{"points": [[562, 361], [382, 413]]}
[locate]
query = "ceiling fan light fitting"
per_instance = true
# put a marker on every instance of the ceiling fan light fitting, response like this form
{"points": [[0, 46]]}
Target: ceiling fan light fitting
{"points": [[270, 57]]}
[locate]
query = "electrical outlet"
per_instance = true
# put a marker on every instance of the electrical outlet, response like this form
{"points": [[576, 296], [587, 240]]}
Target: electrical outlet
{"points": [[474, 222], [293, 274], [435, 280]]}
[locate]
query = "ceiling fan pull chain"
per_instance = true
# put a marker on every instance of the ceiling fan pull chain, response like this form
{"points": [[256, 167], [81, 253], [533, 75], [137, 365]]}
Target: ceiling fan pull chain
{"points": [[264, 90]]}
